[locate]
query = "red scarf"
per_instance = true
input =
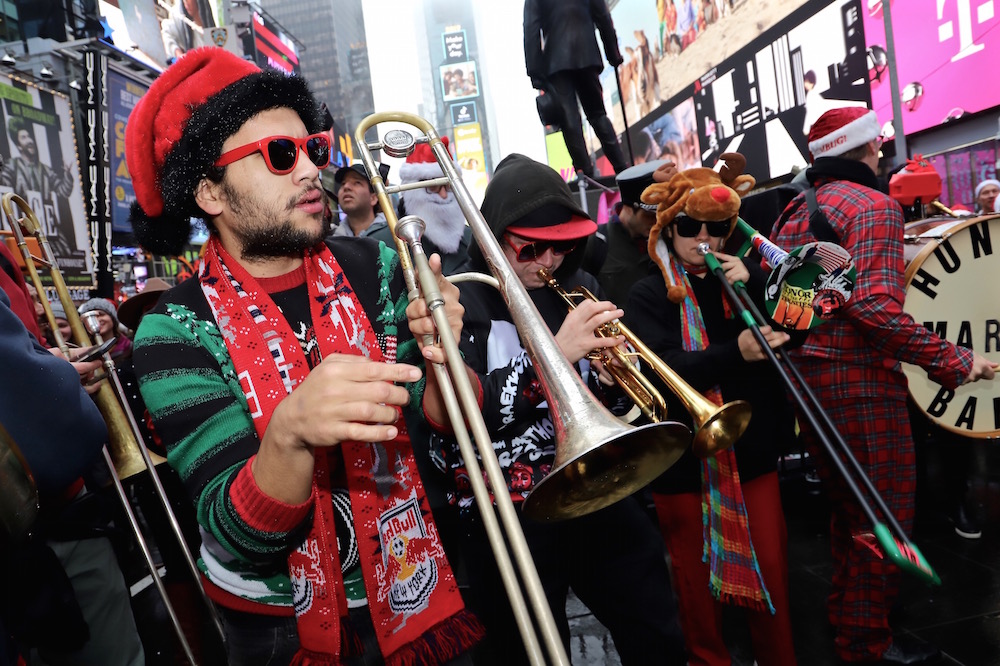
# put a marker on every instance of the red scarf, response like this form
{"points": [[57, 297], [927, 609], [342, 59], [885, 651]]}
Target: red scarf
{"points": [[414, 602]]}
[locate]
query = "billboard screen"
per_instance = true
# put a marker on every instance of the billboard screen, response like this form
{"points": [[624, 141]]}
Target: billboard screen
{"points": [[459, 80], [759, 101], [39, 164], [272, 47], [943, 47], [664, 54], [123, 95]]}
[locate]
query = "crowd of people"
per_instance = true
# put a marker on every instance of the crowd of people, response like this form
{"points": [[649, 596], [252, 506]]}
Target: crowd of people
{"points": [[290, 385]]}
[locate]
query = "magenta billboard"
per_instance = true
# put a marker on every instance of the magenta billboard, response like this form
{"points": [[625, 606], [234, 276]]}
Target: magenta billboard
{"points": [[946, 51]]}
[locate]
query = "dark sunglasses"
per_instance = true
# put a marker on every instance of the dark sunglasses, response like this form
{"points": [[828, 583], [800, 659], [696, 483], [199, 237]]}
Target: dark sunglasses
{"points": [[532, 250], [688, 227], [281, 153]]}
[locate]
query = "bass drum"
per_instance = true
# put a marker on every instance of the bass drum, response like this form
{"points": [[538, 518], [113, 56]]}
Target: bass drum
{"points": [[952, 288]]}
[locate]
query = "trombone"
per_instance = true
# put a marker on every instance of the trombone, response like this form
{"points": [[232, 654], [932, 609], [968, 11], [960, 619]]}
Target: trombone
{"points": [[716, 427], [599, 460], [125, 454]]}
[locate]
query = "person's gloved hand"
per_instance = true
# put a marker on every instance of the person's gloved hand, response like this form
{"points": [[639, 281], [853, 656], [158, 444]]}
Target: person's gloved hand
{"points": [[615, 59]]}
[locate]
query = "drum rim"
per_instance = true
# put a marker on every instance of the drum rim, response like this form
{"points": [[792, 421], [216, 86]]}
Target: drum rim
{"points": [[934, 241]]}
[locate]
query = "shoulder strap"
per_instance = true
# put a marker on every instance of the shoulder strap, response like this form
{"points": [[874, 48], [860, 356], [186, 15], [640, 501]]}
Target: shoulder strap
{"points": [[785, 214], [819, 225]]}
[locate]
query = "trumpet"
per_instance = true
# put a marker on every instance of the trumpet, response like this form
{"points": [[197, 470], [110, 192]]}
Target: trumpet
{"points": [[599, 460], [125, 455], [716, 428]]}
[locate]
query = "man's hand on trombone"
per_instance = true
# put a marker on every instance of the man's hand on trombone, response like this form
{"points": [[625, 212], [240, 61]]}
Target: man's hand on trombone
{"points": [[422, 324], [421, 321]]}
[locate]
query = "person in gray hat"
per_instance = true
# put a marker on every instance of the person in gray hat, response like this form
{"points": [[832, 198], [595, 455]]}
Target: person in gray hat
{"points": [[107, 318], [356, 198], [627, 231]]}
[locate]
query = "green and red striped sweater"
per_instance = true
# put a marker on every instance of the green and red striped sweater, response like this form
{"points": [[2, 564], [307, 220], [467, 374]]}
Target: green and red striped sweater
{"points": [[199, 410]]}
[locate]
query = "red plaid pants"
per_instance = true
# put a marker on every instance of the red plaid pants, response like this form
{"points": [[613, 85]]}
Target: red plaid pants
{"points": [[877, 430]]}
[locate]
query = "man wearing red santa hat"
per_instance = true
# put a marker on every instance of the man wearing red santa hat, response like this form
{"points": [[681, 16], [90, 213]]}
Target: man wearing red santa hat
{"points": [[447, 232], [852, 364]]}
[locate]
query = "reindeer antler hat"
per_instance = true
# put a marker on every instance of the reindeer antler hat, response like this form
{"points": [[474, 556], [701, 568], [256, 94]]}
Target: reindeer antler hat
{"points": [[701, 194]]}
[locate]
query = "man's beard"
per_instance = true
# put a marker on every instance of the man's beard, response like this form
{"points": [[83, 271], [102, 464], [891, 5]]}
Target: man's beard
{"points": [[262, 239]]}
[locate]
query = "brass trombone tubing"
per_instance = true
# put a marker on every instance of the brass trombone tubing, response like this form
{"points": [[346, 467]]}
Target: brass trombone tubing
{"points": [[122, 430], [462, 406], [599, 460]]}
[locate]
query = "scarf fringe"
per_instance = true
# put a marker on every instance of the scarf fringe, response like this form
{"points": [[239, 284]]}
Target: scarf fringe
{"points": [[350, 640], [441, 643], [306, 657], [761, 605]]}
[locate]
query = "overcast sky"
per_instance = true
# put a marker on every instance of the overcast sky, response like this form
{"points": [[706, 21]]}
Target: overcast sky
{"points": [[395, 69]]}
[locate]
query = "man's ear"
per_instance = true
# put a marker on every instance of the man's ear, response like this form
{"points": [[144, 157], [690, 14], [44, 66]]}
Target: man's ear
{"points": [[208, 196]]}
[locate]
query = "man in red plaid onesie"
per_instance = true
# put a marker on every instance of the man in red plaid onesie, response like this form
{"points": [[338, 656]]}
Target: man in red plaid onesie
{"points": [[852, 364]]}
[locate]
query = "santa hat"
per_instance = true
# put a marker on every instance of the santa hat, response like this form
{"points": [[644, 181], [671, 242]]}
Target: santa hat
{"points": [[176, 131], [444, 218], [840, 130], [988, 181], [421, 164]]}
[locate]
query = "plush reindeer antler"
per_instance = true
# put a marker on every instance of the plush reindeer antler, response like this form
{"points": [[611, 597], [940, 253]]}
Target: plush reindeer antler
{"points": [[734, 165]]}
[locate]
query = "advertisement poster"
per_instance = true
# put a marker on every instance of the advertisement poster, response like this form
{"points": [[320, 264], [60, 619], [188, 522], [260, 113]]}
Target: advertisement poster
{"points": [[943, 47], [459, 80], [763, 102], [123, 95], [39, 163], [672, 136], [158, 31], [470, 158], [667, 52]]}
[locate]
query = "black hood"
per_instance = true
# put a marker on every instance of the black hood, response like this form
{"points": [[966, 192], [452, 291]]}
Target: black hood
{"points": [[520, 186]]}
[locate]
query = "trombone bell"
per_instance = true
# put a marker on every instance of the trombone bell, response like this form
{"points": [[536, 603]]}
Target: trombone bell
{"points": [[598, 464]]}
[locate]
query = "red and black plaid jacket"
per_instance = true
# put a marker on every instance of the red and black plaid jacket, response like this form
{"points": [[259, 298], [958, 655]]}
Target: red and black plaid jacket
{"points": [[858, 352]]}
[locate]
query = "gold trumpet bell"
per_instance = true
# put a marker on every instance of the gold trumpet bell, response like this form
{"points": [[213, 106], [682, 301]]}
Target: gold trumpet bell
{"points": [[600, 463], [719, 428]]}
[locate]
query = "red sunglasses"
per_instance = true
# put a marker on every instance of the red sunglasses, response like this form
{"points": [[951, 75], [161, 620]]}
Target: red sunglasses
{"points": [[532, 250], [281, 153]]}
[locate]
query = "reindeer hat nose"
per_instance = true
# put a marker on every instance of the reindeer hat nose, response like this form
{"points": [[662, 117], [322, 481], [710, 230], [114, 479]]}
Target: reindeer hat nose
{"points": [[720, 194]]}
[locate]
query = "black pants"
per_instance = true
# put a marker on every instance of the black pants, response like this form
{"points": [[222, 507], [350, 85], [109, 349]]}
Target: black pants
{"points": [[585, 84], [615, 562]]}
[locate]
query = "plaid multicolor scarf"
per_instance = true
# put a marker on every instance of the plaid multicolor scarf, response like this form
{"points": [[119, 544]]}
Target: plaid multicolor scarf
{"points": [[735, 576], [414, 602]]}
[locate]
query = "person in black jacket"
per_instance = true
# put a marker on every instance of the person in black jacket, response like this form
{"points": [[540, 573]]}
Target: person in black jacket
{"points": [[568, 67], [613, 558]]}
